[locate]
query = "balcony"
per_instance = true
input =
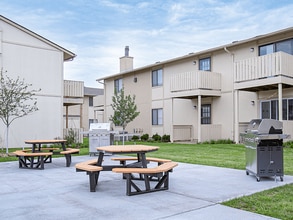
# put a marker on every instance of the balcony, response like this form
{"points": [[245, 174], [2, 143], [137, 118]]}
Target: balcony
{"points": [[264, 72], [73, 92], [191, 84]]}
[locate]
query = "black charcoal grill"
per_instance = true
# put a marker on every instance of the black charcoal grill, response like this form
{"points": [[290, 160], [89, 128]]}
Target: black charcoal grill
{"points": [[263, 140]]}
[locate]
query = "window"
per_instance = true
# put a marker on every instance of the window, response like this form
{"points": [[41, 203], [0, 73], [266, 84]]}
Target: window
{"points": [[91, 121], [265, 110], [270, 109], [157, 77], [285, 109], [157, 116], [91, 101], [285, 46], [205, 64], [267, 49], [274, 109], [290, 109], [206, 114], [118, 85]]}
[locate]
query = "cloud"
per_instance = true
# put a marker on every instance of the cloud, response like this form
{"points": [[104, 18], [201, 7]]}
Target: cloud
{"points": [[98, 30]]}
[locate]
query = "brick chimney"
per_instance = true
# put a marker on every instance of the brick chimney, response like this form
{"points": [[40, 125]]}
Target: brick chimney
{"points": [[126, 62]]}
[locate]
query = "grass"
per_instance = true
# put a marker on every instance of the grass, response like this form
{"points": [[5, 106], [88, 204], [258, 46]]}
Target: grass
{"points": [[276, 202]]}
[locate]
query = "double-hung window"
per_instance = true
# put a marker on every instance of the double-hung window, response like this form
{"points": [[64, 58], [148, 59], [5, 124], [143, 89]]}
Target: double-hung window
{"points": [[157, 116], [206, 114], [205, 64], [118, 85], [157, 77]]}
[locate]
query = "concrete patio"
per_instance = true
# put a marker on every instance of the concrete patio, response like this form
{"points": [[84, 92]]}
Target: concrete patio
{"points": [[59, 192]]}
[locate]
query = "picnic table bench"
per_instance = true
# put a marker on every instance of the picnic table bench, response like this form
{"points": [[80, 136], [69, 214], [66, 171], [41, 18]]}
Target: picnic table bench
{"points": [[92, 170], [161, 171], [26, 159], [67, 153], [148, 159], [38, 155]]}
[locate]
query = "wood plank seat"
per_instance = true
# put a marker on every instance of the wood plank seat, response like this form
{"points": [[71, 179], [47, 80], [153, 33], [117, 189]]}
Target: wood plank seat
{"points": [[149, 159], [49, 148], [67, 153], [26, 159], [148, 173], [92, 170]]}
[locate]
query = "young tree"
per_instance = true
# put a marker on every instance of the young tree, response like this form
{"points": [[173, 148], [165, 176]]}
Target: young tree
{"points": [[125, 110], [16, 100]]}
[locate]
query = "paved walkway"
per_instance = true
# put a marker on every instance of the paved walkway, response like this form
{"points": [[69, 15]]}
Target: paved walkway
{"points": [[59, 192]]}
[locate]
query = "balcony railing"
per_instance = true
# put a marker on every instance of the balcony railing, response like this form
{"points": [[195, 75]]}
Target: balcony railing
{"points": [[195, 80], [73, 88], [271, 65]]}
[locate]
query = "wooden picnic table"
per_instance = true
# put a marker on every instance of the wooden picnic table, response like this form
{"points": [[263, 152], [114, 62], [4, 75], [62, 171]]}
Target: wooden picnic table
{"points": [[37, 144], [93, 169], [38, 155]]}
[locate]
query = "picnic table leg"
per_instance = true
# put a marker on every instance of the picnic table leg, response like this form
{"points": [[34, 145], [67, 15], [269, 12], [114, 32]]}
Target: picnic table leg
{"points": [[93, 177], [68, 159], [63, 146], [41, 162]]}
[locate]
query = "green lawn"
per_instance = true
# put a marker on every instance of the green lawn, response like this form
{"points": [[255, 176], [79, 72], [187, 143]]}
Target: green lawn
{"points": [[276, 202]]}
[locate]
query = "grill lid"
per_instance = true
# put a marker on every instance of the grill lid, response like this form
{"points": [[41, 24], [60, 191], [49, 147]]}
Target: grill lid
{"points": [[265, 126]]}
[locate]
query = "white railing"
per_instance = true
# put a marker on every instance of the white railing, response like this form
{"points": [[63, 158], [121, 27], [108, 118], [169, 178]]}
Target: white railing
{"points": [[211, 132], [182, 132], [195, 80], [73, 88], [270, 65]]}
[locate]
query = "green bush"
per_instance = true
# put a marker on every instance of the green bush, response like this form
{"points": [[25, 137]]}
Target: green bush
{"points": [[166, 138], [288, 144], [135, 138], [144, 137], [156, 137], [220, 141], [71, 137]]}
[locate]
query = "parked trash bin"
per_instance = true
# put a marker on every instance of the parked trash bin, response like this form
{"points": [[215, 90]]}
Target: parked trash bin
{"points": [[263, 141]]}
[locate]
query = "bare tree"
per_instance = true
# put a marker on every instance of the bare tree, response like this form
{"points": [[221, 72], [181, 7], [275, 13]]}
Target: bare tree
{"points": [[125, 110], [16, 100]]}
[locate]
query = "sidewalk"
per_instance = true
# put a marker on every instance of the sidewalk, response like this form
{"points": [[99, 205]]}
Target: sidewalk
{"points": [[59, 192]]}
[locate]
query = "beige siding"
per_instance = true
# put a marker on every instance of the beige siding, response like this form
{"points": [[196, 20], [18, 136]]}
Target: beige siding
{"points": [[238, 81]]}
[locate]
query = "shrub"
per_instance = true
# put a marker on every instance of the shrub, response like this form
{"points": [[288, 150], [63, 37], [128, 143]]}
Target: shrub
{"points": [[166, 138], [156, 137], [288, 144], [135, 138], [71, 137], [220, 141], [144, 137]]}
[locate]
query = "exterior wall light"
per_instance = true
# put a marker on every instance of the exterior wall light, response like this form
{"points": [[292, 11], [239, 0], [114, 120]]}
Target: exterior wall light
{"points": [[252, 49]]}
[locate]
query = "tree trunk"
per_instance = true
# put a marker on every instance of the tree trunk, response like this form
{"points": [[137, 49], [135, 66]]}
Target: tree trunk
{"points": [[7, 130], [123, 137]]}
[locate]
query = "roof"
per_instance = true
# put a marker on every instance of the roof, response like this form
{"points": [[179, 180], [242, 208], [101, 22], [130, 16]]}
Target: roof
{"points": [[68, 55], [88, 91], [223, 47]]}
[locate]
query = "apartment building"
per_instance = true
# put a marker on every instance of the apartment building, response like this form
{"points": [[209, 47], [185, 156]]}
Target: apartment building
{"points": [[39, 62], [79, 106], [211, 94]]}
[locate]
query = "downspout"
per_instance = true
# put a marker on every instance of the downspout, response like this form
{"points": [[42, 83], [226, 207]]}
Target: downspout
{"points": [[235, 127]]}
